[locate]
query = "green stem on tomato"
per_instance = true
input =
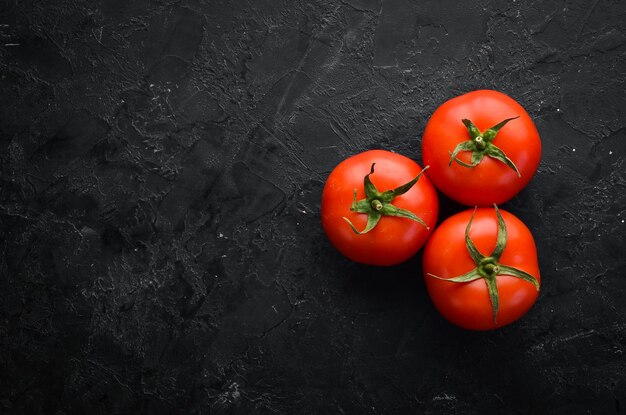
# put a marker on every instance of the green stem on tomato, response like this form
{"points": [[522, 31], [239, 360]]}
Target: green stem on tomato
{"points": [[377, 204], [481, 145]]}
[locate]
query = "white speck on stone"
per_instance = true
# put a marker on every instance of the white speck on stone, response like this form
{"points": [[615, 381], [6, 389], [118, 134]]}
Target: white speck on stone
{"points": [[444, 397], [558, 110], [221, 235], [224, 256], [622, 220], [610, 152], [573, 149]]}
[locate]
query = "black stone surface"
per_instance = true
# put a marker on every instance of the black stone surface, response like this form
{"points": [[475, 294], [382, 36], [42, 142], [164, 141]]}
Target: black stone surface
{"points": [[162, 164]]}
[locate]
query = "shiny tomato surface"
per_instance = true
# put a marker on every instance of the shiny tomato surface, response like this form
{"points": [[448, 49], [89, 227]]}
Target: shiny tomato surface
{"points": [[491, 181], [468, 304], [394, 239]]}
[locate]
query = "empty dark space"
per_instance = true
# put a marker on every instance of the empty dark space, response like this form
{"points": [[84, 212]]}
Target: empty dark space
{"points": [[161, 169]]}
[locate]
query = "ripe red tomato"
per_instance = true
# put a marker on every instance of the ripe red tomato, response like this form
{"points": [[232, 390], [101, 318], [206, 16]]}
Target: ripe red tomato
{"points": [[347, 208], [495, 283], [498, 148]]}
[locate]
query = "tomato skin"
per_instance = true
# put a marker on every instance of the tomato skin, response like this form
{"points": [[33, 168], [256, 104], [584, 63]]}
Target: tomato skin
{"points": [[491, 181], [394, 239], [467, 304]]}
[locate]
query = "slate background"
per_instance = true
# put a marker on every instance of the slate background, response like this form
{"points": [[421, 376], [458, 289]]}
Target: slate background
{"points": [[162, 164]]}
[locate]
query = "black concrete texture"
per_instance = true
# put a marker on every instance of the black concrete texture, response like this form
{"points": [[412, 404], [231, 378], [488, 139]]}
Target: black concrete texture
{"points": [[161, 170]]}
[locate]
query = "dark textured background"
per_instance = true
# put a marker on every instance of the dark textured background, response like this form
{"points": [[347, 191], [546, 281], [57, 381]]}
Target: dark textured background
{"points": [[161, 170]]}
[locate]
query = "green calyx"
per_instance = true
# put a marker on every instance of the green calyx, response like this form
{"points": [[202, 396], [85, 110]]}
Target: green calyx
{"points": [[488, 267], [377, 204], [481, 145]]}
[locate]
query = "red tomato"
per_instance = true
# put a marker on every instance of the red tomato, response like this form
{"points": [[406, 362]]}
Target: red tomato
{"points": [[493, 179], [469, 304], [395, 238]]}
